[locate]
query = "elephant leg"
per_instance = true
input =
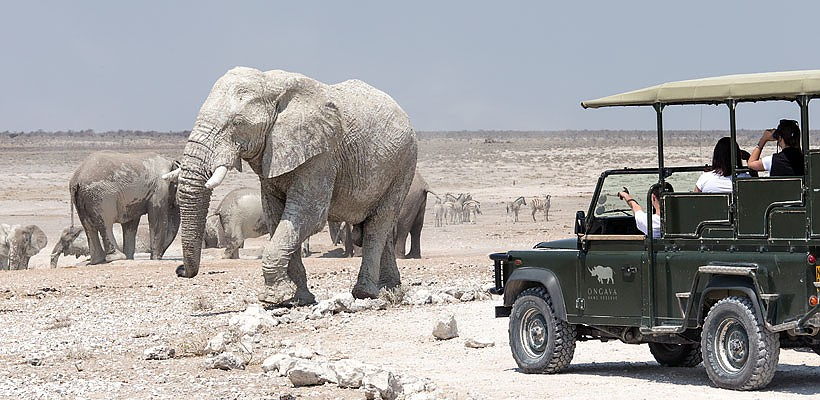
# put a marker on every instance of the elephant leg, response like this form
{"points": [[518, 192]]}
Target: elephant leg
{"points": [[233, 241], [285, 276], [388, 270], [94, 247], [129, 238], [401, 243], [109, 242], [292, 223], [378, 232], [415, 232]]}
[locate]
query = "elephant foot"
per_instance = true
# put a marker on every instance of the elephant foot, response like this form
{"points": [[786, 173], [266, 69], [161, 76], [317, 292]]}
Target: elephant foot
{"points": [[365, 291], [282, 293], [413, 254], [115, 256], [389, 284]]}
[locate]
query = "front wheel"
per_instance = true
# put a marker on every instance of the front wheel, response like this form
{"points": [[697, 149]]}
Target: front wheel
{"points": [[676, 355], [738, 352], [540, 341]]}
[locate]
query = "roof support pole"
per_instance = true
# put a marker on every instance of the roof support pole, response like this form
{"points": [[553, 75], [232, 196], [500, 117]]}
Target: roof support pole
{"points": [[732, 105]]}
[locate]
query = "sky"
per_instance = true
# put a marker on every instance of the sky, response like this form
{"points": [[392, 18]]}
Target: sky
{"points": [[452, 65]]}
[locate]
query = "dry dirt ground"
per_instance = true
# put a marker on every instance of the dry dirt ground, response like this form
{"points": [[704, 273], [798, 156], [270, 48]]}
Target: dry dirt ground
{"points": [[80, 331]]}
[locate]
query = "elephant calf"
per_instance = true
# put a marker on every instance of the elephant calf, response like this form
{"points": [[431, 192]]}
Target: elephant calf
{"points": [[73, 242], [18, 244]]}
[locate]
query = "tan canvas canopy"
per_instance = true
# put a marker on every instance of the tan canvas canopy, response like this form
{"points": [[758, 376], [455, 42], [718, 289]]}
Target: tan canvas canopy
{"points": [[745, 87]]}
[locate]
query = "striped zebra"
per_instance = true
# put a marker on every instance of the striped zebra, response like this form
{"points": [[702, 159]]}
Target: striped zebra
{"points": [[541, 204], [457, 217], [439, 212], [515, 206], [470, 210]]}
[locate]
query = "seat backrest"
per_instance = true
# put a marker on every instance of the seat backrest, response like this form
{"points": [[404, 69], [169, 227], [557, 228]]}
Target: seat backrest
{"points": [[688, 214]]}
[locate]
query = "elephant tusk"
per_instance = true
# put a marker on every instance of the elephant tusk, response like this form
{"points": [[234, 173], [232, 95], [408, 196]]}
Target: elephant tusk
{"points": [[172, 176], [217, 177]]}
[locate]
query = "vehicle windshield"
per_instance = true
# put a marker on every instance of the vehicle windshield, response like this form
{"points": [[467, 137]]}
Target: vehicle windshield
{"points": [[638, 183]]}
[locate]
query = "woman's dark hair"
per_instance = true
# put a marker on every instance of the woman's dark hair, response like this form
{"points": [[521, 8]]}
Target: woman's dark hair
{"points": [[789, 131], [722, 155]]}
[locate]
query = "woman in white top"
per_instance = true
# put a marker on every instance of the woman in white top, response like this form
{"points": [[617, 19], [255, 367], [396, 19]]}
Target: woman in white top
{"points": [[718, 179]]}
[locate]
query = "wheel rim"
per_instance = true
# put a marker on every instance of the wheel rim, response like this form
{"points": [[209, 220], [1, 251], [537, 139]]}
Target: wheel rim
{"points": [[732, 344], [533, 333]]}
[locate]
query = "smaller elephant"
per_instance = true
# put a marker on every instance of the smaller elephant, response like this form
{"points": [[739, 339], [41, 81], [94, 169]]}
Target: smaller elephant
{"points": [[73, 242], [240, 217], [18, 244], [411, 218]]}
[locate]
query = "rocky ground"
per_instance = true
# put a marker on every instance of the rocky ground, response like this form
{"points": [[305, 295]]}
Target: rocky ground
{"points": [[132, 329]]}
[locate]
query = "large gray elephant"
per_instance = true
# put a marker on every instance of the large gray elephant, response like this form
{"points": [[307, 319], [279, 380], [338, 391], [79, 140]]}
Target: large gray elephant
{"points": [[109, 188], [18, 244], [343, 152]]}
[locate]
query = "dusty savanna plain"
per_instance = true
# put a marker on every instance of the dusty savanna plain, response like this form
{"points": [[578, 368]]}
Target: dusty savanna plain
{"points": [[80, 331]]}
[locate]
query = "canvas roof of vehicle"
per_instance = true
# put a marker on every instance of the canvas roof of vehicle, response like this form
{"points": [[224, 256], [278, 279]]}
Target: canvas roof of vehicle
{"points": [[786, 85]]}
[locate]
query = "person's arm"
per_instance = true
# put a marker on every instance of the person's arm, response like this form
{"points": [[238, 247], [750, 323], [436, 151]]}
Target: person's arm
{"points": [[632, 203], [754, 157]]}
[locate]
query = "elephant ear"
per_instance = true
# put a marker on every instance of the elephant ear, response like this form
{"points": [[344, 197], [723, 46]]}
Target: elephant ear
{"points": [[307, 123], [37, 240]]}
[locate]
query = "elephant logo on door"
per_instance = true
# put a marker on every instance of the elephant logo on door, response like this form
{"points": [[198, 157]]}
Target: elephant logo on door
{"points": [[604, 274]]}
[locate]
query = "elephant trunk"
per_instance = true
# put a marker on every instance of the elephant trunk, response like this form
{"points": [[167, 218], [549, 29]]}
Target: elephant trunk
{"points": [[193, 198]]}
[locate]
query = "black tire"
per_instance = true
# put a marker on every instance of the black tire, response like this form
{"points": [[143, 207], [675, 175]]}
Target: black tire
{"points": [[816, 349], [738, 352], [540, 341], [676, 355]]}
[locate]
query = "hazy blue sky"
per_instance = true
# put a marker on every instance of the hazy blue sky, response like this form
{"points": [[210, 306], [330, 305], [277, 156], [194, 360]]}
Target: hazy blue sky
{"points": [[453, 65]]}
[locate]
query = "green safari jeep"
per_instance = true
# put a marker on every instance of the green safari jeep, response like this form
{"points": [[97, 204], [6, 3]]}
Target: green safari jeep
{"points": [[732, 279]]}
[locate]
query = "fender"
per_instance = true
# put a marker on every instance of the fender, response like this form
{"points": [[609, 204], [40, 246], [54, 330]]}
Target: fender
{"points": [[734, 283], [526, 277]]}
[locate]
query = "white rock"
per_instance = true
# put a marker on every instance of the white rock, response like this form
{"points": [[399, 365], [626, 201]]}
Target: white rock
{"points": [[382, 382], [309, 373], [467, 296], [159, 353], [411, 385], [300, 352], [280, 311], [252, 320], [343, 302], [217, 344], [226, 361], [478, 344], [349, 373], [274, 362], [422, 296], [446, 328], [367, 304], [324, 307]]}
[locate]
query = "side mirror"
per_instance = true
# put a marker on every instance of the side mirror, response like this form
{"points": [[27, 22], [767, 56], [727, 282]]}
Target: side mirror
{"points": [[580, 222]]}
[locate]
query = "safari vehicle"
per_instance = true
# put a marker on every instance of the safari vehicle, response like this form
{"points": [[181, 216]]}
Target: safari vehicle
{"points": [[732, 279]]}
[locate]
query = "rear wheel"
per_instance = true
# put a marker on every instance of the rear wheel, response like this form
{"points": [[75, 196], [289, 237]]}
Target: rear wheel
{"points": [[738, 352], [540, 341], [676, 355]]}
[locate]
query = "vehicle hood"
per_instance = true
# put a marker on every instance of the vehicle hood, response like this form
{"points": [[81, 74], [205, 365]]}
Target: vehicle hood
{"points": [[569, 243]]}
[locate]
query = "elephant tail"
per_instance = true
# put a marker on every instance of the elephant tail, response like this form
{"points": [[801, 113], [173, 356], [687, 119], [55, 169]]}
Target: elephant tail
{"points": [[73, 189]]}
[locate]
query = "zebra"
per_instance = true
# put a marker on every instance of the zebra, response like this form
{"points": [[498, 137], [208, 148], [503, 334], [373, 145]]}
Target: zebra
{"points": [[515, 206], [458, 205], [470, 210], [439, 211], [541, 204], [452, 213]]}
